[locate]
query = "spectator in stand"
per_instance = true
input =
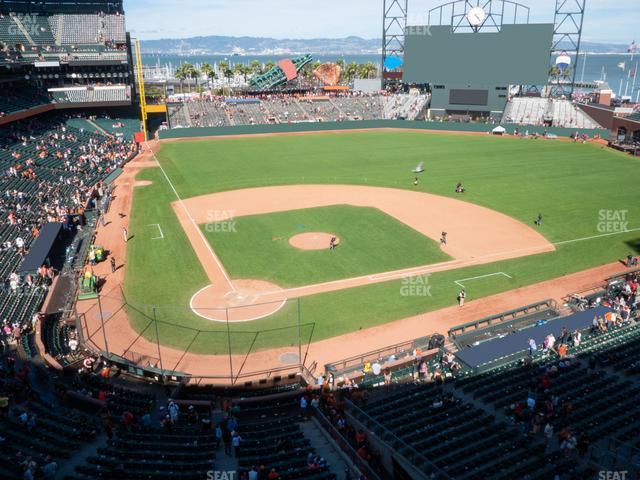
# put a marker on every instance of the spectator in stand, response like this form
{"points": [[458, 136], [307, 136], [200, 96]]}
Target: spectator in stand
{"points": [[236, 441]]}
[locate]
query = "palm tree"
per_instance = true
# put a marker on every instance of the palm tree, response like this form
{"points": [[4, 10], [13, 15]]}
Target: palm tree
{"points": [[269, 65], [187, 70], [367, 70], [180, 74], [246, 71], [255, 67], [351, 71], [341, 64], [238, 69], [195, 74], [207, 71], [223, 67]]}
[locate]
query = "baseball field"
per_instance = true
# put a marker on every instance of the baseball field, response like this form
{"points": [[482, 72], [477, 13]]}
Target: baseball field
{"points": [[214, 228]]}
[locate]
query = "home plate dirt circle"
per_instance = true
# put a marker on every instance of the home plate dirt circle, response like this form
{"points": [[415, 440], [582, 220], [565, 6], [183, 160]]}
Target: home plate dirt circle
{"points": [[249, 300], [312, 240]]}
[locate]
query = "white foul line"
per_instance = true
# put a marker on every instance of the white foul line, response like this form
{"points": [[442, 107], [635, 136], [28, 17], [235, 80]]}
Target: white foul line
{"points": [[159, 230], [459, 282], [596, 236], [184, 207]]}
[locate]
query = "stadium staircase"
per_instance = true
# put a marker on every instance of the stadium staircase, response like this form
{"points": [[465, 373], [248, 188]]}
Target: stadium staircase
{"points": [[97, 127], [325, 446], [337, 107]]}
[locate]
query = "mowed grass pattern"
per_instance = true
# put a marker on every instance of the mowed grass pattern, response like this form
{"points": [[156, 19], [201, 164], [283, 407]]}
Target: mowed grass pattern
{"points": [[570, 184], [370, 242]]}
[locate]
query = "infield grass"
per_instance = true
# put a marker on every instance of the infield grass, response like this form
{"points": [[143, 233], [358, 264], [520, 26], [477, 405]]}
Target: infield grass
{"points": [[370, 242], [576, 187]]}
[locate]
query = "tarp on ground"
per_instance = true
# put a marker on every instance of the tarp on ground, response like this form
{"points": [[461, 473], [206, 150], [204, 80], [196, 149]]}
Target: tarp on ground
{"points": [[40, 248]]}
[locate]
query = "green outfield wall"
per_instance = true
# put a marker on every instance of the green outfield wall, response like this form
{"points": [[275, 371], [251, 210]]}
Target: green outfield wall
{"points": [[365, 124]]}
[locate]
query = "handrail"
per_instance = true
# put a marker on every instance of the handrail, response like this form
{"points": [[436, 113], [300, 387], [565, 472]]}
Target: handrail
{"points": [[622, 274], [441, 474], [356, 361], [345, 446]]}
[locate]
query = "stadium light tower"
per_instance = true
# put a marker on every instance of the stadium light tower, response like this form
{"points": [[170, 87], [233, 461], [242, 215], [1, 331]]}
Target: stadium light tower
{"points": [[394, 23], [567, 37]]}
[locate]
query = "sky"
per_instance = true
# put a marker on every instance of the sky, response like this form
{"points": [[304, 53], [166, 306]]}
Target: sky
{"points": [[606, 21]]}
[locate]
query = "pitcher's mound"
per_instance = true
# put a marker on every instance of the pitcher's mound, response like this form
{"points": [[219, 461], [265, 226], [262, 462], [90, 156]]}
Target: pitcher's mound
{"points": [[312, 241]]}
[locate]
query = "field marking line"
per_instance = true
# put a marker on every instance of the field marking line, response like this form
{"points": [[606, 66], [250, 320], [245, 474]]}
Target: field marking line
{"points": [[159, 230], [186, 210], [459, 282], [202, 315], [597, 236]]}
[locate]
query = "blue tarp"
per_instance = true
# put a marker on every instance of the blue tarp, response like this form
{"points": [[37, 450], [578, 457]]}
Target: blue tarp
{"points": [[40, 248], [515, 343], [241, 100]]}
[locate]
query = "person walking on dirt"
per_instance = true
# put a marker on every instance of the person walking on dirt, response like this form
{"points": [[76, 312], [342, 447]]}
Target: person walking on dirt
{"points": [[443, 239], [125, 234], [113, 264]]}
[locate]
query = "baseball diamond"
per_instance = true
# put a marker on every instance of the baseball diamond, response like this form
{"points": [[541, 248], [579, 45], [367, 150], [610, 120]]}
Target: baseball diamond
{"points": [[251, 240]]}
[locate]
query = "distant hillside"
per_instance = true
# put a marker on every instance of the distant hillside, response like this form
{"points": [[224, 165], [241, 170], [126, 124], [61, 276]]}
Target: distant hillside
{"points": [[220, 45], [260, 46]]}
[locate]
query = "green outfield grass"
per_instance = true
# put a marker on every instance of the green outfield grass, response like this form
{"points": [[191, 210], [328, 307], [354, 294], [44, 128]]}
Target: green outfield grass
{"points": [[581, 190], [370, 242]]}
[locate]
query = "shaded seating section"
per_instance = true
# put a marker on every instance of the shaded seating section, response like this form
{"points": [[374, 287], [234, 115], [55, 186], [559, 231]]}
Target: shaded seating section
{"points": [[118, 399], [55, 336], [273, 441], [458, 438], [181, 453], [15, 99], [35, 432]]}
